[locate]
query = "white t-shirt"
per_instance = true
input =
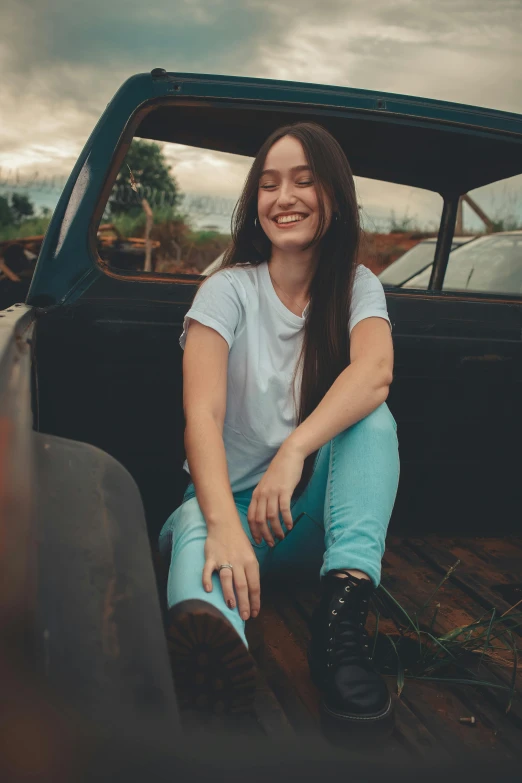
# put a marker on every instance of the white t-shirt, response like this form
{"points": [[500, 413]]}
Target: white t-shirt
{"points": [[264, 338]]}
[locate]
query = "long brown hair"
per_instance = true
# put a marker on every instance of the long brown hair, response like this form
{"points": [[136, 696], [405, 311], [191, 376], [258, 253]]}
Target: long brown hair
{"points": [[325, 349]]}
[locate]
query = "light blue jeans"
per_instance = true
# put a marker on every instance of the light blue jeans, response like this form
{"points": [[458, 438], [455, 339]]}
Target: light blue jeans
{"points": [[346, 509]]}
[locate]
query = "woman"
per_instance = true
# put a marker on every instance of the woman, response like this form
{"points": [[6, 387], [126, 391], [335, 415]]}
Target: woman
{"points": [[287, 365]]}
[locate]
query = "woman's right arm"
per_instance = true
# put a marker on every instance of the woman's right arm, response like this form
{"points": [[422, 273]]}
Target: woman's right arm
{"points": [[205, 365]]}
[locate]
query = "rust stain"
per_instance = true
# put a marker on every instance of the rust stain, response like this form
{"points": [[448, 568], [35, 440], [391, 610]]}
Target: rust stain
{"points": [[6, 432], [110, 640], [111, 646]]}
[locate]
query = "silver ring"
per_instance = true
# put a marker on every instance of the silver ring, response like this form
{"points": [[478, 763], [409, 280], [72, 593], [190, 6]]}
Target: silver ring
{"points": [[225, 565]]}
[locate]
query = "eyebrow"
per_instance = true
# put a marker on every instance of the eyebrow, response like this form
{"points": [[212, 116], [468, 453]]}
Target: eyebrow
{"points": [[303, 167]]}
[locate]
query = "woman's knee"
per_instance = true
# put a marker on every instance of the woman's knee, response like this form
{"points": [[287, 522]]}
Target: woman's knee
{"points": [[185, 523], [377, 425], [379, 420]]}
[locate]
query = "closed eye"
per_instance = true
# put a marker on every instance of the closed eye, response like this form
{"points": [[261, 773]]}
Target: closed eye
{"points": [[304, 183]]}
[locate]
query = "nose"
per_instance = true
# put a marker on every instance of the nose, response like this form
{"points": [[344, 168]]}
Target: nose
{"points": [[286, 194]]}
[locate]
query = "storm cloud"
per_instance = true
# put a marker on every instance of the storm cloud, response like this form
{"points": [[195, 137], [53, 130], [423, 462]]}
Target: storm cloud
{"points": [[62, 60]]}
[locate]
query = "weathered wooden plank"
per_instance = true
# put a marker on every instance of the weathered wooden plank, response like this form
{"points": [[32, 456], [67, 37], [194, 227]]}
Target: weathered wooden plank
{"points": [[415, 737], [457, 608], [501, 561], [285, 671], [504, 558], [475, 580], [511, 544], [412, 584], [269, 712], [440, 710], [492, 719]]}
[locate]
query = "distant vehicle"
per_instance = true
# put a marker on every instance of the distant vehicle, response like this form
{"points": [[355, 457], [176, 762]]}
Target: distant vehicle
{"points": [[491, 264], [415, 261]]}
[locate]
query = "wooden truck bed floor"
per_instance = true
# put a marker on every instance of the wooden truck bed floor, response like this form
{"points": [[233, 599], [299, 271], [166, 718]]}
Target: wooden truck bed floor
{"points": [[428, 714]]}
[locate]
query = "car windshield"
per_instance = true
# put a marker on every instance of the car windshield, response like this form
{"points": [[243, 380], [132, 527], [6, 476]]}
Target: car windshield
{"points": [[408, 264], [490, 264]]}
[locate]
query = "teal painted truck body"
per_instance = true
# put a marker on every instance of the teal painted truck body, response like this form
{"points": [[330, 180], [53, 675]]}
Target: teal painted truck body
{"points": [[442, 146], [91, 415]]}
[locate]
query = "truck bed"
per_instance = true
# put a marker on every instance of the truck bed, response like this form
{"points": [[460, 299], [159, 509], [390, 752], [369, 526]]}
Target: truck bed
{"points": [[427, 713]]}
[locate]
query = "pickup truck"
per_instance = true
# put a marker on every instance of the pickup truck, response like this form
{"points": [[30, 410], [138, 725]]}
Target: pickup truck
{"points": [[91, 431]]}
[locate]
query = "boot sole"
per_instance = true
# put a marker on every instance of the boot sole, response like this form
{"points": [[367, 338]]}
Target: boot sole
{"points": [[212, 669]]}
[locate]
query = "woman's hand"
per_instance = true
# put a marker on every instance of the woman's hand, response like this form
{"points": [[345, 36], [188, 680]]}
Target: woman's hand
{"points": [[273, 495], [228, 545]]}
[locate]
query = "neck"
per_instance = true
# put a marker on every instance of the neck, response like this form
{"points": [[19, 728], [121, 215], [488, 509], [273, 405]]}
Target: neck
{"points": [[293, 271]]}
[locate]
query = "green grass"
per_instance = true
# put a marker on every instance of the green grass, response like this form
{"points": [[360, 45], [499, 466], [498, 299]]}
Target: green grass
{"points": [[28, 228], [457, 656], [507, 223], [405, 224], [134, 225]]}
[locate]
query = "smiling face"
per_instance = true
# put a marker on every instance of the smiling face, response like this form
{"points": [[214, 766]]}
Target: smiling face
{"points": [[288, 206]]}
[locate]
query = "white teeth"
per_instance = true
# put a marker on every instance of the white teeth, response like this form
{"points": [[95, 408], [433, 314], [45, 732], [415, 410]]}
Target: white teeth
{"points": [[289, 218]]}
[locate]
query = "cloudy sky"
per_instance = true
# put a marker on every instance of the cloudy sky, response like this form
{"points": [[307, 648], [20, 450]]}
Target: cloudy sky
{"points": [[62, 60]]}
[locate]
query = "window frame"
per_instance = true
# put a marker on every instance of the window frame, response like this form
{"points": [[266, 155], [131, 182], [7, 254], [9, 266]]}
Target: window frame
{"points": [[118, 158]]}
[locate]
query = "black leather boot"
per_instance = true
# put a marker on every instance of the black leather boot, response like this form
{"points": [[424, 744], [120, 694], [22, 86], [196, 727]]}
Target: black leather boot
{"points": [[355, 698]]}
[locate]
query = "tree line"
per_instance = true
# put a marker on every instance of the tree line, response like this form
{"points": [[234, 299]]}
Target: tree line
{"points": [[15, 208], [145, 168]]}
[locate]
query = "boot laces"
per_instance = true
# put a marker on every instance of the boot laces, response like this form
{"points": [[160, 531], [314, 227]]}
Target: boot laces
{"points": [[348, 639]]}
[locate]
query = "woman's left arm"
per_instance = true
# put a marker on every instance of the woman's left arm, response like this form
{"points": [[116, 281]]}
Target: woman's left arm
{"points": [[355, 393]]}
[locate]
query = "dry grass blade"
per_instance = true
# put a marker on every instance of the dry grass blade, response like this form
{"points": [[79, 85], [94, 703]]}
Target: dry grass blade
{"points": [[444, 579], [511, 608]]}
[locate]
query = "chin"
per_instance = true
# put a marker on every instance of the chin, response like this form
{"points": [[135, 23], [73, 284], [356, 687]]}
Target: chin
{"points": [[291, 243]]}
